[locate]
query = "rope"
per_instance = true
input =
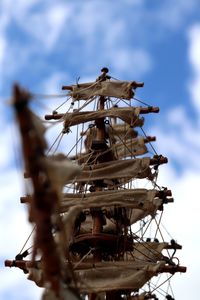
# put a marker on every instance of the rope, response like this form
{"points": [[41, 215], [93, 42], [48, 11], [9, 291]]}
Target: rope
{"points": [[114, 78], [62, 104], [162, 283], [60, 134], [170, 287], [124, 137], [35, 95], [147, 247], [158, 224], [166, 231], [75, 144], [77, 131], [149, 142], [158, 228], [27, 239], [160, 290], [80, 261], [141, 101]]}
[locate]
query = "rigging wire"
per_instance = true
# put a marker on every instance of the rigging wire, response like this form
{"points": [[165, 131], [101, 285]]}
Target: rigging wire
{"points": [[77, 131], [75, 145], [141, 101], [60, 139], [149, 141], [80, 261], [60, 134], [28, 239], [159, 290], [171, 290], [160, 231], [147, 247], [156, 288], [158, 224], [47, 96], [114, 78], [36, 96], [62, 104], [166, 231], [124, 137]]}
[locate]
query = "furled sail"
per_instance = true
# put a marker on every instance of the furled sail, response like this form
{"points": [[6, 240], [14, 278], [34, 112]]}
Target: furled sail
{"points": [[121, 131], [133, 198], [119, 169], [117, 89], [149, 251], [130, 147], [126, 148], [109, 276], [130, 115]]}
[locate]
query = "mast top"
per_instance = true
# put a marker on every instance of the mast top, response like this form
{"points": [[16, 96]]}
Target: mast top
{"points": [[105, 70], [104, 75]]}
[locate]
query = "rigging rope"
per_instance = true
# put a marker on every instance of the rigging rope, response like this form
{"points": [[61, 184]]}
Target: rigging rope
{"points": [[162, 283], [60, 134], [159, 290], [60, 139], [28, 239], [160, 230], [47, 96], [62, 104], [141, 101], [149, 141]]}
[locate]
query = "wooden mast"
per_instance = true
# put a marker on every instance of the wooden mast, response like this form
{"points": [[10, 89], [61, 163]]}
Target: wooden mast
{"points": [[97, 224], [45, 200]]}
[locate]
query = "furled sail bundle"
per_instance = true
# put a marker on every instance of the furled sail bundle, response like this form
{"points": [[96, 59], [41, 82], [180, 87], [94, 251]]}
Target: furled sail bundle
{"points": [[128, 114], [117, 89], [94, 234]]}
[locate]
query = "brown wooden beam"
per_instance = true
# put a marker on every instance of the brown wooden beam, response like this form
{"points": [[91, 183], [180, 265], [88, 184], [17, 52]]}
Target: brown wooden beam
{"points": [[150, 139], [149, 109], [172, 269], [143, 110], [158, 160], [23, 264], [67, 87]]}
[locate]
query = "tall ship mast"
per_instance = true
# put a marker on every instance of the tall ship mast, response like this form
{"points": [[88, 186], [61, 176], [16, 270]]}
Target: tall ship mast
{"points": [[97, 230]]}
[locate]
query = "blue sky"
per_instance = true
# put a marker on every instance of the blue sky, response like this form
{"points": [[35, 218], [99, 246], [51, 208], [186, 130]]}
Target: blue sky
{"points": [[44, 44]]}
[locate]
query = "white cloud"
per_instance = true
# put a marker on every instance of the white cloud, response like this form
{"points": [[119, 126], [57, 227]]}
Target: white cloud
{"points": [[182, 221], [14, 230], [173, 14], [14, 285], [194, 59], [138, 60], [178, 135], [46, 26], [177, 138], [103, 37], [9, 141], [3, 46]]}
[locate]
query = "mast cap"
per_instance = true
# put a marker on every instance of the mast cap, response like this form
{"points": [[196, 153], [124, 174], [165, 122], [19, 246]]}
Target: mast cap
{"points": [[105, 70]]}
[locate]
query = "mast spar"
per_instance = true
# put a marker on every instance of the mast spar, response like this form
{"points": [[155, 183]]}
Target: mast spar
{"points": [[86, 237]]}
